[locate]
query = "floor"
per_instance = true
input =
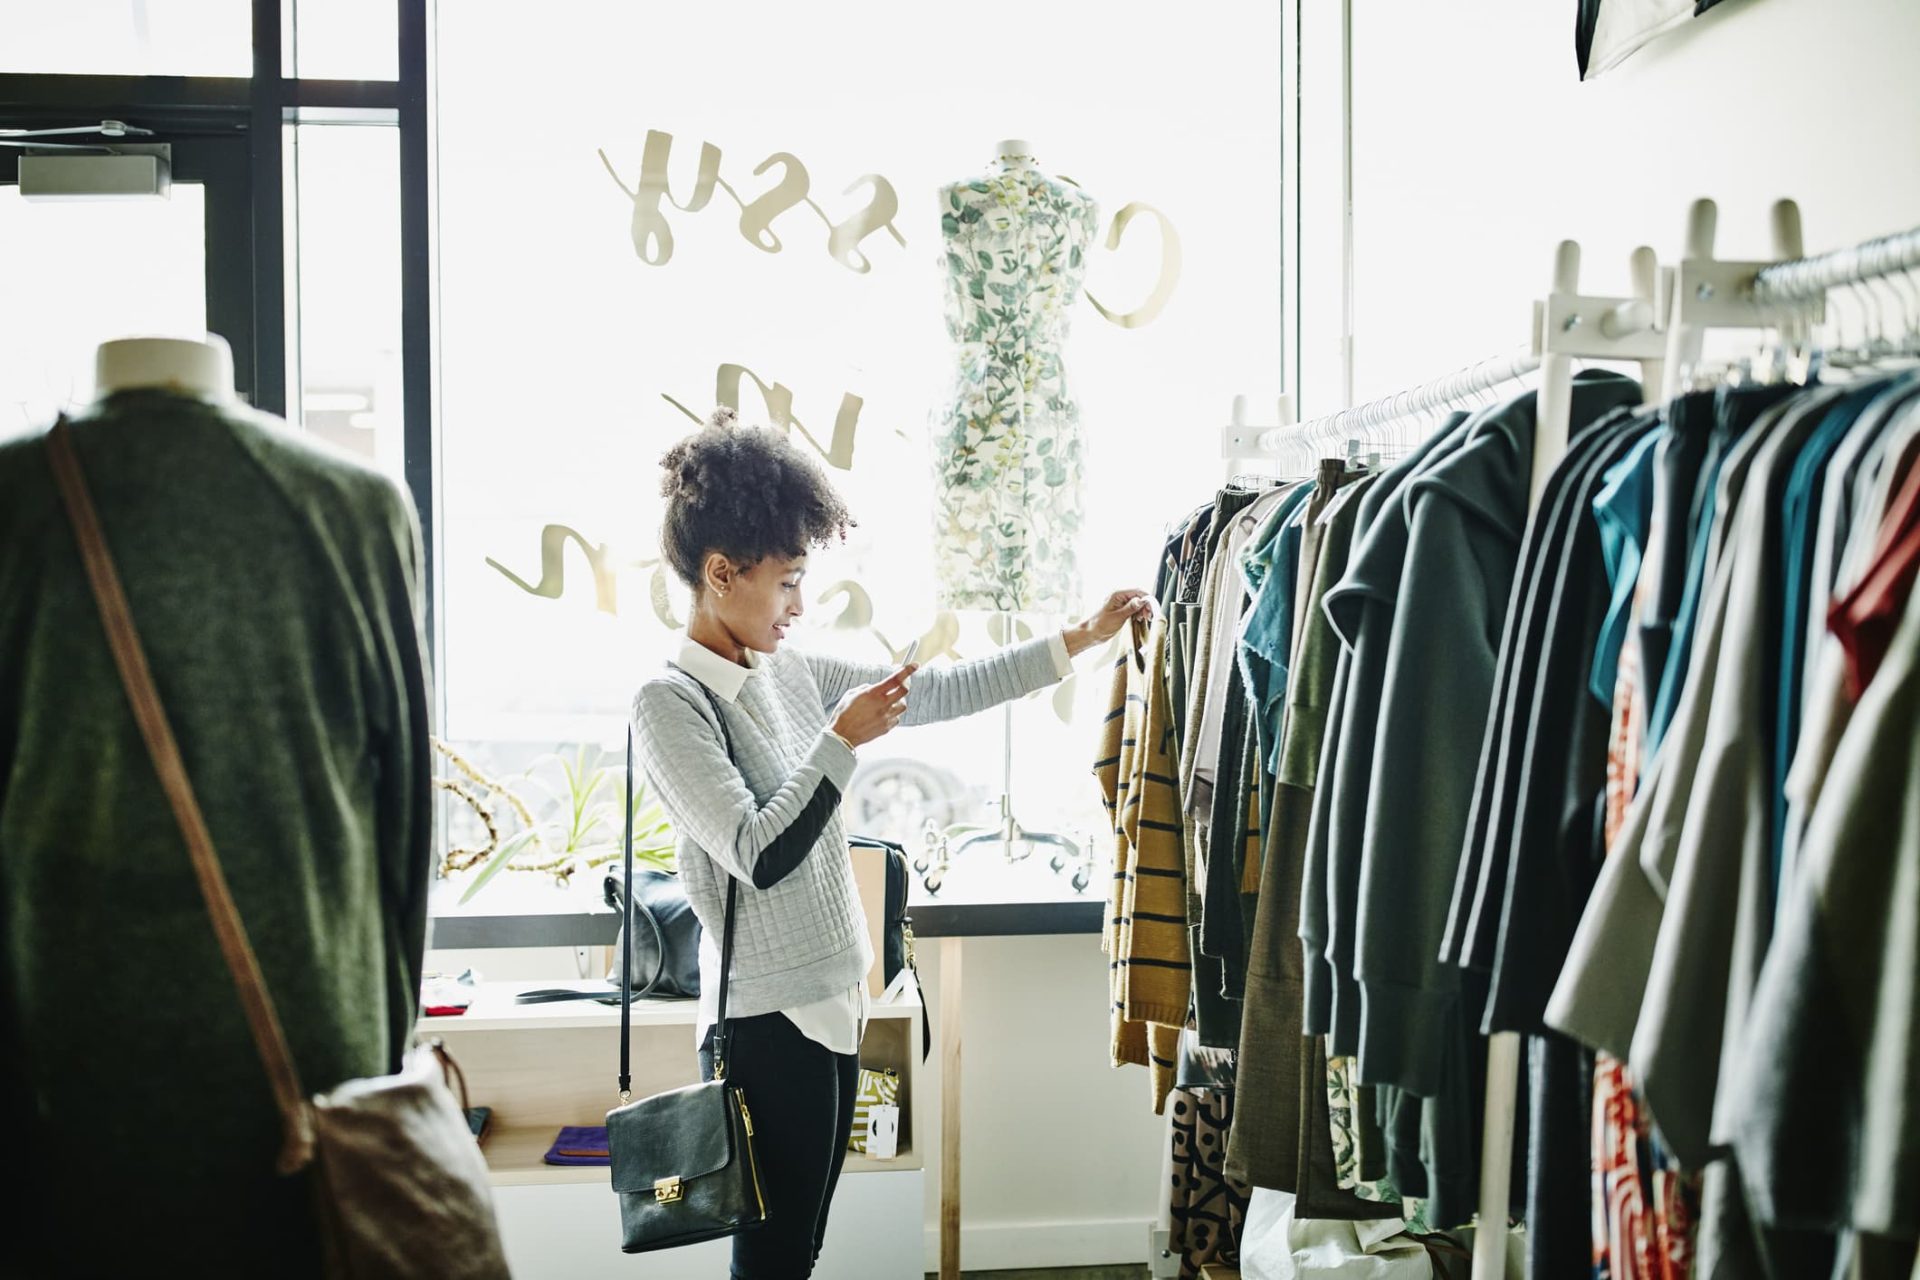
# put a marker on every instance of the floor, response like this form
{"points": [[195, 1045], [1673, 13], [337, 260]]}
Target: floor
{"points": [[1059, 1273]]}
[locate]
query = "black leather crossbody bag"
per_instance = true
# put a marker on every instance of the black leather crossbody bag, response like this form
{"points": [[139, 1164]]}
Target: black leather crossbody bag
{"points": [[683, 1161]]}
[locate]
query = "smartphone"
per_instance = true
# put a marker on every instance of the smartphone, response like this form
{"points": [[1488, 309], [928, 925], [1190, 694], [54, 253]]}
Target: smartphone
{"points": [[913, 651]]}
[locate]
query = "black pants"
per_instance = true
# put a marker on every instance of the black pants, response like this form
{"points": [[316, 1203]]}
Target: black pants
{"points": [[801, 1095]]}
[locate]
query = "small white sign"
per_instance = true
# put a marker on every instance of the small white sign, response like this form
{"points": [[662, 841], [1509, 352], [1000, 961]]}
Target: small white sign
{"points": [[883, 1131]]}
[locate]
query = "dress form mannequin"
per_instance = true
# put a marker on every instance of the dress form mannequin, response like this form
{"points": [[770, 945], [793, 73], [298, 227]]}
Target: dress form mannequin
{"points": [[1007, 446], [1007, 443], [200, 367]]}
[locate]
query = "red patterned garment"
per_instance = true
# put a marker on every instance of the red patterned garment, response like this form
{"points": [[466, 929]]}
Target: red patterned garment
{"points": [[1644, 1204]]}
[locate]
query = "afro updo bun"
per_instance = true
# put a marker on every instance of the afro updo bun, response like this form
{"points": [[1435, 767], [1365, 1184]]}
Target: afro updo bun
{"points": [[746, 492]]}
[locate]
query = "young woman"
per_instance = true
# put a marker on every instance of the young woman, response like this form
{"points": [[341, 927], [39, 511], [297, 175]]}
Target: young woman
{"points": [[751, 746]]}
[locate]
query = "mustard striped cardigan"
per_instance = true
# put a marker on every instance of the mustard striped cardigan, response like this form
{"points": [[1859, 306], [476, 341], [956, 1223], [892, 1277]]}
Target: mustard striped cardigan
{"points": [[1145, 936]]}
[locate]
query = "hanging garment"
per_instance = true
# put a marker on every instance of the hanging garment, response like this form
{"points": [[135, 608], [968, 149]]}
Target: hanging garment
{"points": [[1227, 587], [1466, 517], [1266, 1144], [1820, 1105], [1644, 1207], [1720, 893], [1271, 568], [1725, 416], [1865, 617], [1608, 32], [1216, 1017], [1145, 937], [1536, 825], [1860, 414], [1719, 896], [1008, 451], [1598, 994], [1209, 1205], [1550, 844], [1623, 510], [1224, 784], [1360, 609], [1686, 463], [1887, 463], [277, 588]]}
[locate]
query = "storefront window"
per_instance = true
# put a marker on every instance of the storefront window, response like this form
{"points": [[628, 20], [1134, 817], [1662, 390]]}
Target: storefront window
{"points": [[81, 272], [344, 289], [129, 38], [793, 264], [341, 39]]}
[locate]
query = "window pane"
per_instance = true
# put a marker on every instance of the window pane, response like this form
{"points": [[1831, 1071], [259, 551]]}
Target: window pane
{"points": [[566, 355], [129, 37], [344, 39], [79, 273], [346, 287]]}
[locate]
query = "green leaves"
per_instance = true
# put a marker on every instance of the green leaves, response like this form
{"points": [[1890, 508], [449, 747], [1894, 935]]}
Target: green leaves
{"points": [[497, 863], [580, 824]]}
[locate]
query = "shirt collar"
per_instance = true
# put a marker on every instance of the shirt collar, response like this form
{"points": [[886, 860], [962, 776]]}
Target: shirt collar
{"points": [[726, 679]]}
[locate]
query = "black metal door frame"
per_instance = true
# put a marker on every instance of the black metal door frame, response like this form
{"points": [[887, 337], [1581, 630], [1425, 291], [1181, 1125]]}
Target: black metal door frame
{"points": [[218, 163], [226, 133]]}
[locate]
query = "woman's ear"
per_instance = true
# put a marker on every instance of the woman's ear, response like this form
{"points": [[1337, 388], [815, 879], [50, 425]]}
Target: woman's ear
{"points": [[718, 573]]}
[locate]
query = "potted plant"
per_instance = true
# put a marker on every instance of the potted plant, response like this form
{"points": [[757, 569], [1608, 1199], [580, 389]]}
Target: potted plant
{"points": [[575, 825]]}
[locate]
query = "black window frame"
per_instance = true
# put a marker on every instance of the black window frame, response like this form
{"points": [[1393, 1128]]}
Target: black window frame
{"points": [[229, 131]]}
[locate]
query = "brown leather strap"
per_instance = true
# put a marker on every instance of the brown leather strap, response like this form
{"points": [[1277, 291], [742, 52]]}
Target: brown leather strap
{"points": [[297, 1147]]}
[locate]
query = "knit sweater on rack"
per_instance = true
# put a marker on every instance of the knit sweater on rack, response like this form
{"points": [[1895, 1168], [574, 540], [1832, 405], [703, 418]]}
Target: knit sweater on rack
{"points": [[1145, 937]]}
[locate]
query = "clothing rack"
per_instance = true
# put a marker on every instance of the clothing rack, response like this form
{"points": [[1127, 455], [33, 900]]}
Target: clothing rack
{"points": [[1805, 278], [1440, 393], [1240, 441], [1659, 327]]}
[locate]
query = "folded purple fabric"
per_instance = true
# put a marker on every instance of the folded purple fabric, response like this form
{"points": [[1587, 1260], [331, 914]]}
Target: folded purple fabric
{"points": [[580, 1144]]}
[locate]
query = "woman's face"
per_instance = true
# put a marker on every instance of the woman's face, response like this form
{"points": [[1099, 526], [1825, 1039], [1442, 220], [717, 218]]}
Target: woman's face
{"points": [[762, 602]]}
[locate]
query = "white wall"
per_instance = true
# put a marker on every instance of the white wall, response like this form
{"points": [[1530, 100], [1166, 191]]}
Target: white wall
{"points": [[1476, 149], [1061, 1153]]}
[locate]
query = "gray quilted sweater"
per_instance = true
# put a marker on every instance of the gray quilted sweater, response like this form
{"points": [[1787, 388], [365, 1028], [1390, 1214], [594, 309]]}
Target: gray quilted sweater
{"points": [[804, 939]]}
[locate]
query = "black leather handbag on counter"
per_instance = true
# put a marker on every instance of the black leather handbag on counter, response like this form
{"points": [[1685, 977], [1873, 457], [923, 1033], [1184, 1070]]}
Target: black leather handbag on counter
{"points": [[684, 1165], [896, 932], [659, 930]]}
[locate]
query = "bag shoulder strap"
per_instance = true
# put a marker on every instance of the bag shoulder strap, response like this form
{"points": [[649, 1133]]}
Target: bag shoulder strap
{"points": [[137, 678], [726, 941]]}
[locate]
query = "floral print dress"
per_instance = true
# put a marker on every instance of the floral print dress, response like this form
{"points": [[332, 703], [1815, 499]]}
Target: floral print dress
{"points": [[1008, 452]]}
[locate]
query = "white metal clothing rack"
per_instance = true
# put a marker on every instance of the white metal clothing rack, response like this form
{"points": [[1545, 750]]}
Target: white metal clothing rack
{"points": [[1810, 278], [1660, 327], [1440, 393]]}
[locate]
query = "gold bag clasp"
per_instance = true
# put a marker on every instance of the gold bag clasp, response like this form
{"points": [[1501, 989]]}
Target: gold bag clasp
{"points": [[668, 1191]]}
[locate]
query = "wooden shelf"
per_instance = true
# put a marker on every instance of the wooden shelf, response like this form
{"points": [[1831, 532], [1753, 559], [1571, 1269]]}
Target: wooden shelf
{"points": [[493, 1009], [542, 1067], [516, 1157]]}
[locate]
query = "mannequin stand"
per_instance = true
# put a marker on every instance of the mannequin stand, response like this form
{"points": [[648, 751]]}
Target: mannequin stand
{"points": [[1017, 840]]}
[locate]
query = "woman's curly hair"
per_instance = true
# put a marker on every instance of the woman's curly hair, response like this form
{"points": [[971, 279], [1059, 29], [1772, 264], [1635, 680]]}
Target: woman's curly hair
{"points": [[746, 492]]}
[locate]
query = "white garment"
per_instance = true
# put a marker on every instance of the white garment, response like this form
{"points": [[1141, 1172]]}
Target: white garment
{"points": [[1274, 1245], [1229, 602], [837, 1023]]}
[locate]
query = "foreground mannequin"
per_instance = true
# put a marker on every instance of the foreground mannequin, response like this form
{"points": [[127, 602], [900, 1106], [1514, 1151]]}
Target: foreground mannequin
{"points": [[276, 586]]}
